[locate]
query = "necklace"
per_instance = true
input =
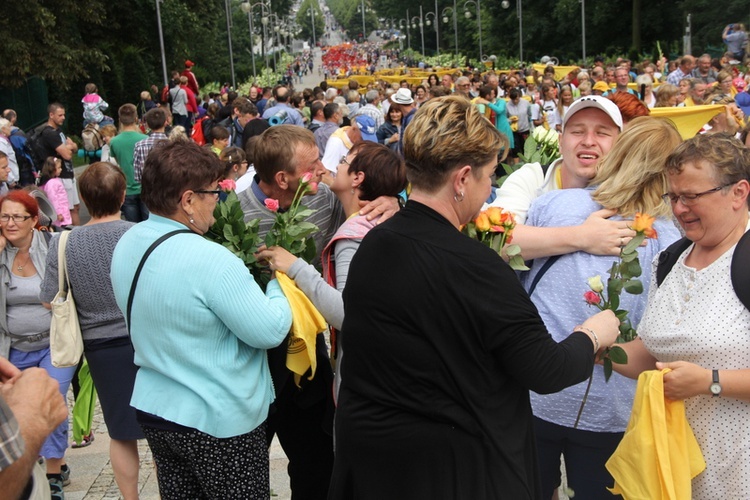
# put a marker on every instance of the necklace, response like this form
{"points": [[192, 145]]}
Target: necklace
{"points": [[20, 267]]}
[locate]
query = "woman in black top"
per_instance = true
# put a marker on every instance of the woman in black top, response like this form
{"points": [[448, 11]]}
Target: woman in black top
{"points": [[443, 344]]}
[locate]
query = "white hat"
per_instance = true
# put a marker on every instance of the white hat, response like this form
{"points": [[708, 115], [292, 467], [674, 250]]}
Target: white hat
{"points": [[402, 96], [598, 102]]}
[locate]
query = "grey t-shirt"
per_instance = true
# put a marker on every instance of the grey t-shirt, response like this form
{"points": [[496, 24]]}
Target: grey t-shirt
{"points": [[25, 314]]}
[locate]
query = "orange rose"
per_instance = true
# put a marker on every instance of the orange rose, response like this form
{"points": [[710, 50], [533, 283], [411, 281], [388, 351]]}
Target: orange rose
{"points": [[495, 215], [643, 223], [482, 222], [497, 229]]}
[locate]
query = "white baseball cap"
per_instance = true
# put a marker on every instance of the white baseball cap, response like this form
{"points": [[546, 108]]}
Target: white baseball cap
{"points": [[598, 102]]}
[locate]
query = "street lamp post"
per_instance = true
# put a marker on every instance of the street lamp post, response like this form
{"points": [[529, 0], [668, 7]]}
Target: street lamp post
{"points": [[519, 13], [229, 38], [421, 26], [583, 30], [247, 8], [455, 22], [312, 20], [161, 42], [437, 34], [467, 13]]}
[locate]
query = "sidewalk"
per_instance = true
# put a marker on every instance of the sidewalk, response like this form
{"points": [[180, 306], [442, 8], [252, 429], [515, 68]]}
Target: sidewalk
{"points": [[92, 478]]}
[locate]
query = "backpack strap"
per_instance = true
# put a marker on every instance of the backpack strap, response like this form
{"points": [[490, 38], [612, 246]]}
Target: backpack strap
{"points": [[740, 269], [542, 271], [140, 267], [668, 258]]}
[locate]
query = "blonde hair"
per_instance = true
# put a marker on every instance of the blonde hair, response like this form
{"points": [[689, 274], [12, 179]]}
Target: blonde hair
{"points": [[108, 131], [664, 93], [632, 177], [446, 133]]}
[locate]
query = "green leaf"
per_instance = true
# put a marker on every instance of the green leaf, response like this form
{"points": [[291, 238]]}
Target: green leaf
{"points": [[614, 301], [628, 257], [607, 366], [621, 314], [618, 355], [634, 268], [634, 286], [303, 213], [512, 249], [228, 232], [517, 263], [633, 244]]}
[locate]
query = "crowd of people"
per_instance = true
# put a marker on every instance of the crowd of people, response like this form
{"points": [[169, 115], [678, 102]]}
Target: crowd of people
{"points": [[462, 379]]}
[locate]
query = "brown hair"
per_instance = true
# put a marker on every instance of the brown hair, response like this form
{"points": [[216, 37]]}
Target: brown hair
{"points": [[385, 172], [276, 150], [128, 114], [446, 133], [102, 187], [174, 167]]}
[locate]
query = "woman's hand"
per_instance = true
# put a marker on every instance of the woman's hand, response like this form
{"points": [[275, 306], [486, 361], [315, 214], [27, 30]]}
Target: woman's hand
{"points": [[394, 138], [605, 325], [279, 259], [685, 380], [60, 217]]}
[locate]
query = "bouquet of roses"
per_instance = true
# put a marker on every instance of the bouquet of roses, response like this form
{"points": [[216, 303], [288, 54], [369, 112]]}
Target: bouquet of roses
{"points": [[494, 228], [623, 275], [290, 230]]}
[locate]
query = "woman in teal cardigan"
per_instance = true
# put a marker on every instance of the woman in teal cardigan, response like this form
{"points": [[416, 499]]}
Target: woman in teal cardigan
{"points": [[200, 327], [486, 102]]}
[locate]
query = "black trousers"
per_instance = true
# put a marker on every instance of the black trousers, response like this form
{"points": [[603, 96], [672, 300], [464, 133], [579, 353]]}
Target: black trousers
{"points": [[302, 418]]}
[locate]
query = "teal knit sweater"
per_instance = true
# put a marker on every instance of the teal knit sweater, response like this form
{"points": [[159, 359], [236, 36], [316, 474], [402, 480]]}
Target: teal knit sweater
{"points": [[200, 329]]}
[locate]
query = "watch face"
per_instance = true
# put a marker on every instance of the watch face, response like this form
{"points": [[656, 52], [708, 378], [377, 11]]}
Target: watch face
{"points": [[715, 389]]}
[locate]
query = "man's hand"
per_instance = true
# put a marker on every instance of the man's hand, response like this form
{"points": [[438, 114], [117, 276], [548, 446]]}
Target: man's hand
{"points": [[36, 401], [7, 370], [600, 236], [385, 206]]}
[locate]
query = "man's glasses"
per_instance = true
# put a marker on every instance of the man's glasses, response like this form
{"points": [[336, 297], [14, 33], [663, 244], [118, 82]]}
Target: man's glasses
{"points": [[16, 218], [220, 194], [690, 199]]}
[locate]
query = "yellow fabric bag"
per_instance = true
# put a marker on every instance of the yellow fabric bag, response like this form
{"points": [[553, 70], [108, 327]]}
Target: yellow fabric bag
{"points": [[658, 455], [307, 323]]}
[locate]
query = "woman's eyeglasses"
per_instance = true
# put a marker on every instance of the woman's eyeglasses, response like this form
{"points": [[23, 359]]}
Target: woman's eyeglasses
{"points": [[343, 160], [16, 218], [690, 199], [220, 194]]}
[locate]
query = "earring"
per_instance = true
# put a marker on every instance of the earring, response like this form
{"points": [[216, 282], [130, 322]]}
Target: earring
{"points": [[192, 221], [459, 197]]}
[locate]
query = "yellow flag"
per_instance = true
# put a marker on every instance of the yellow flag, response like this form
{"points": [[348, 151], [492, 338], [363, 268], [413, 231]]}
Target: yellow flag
{"points": [[689, 119]]}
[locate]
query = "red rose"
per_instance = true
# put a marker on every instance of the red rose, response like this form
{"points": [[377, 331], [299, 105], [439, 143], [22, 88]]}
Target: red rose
{"points": [[271, 204], [592, 298]]}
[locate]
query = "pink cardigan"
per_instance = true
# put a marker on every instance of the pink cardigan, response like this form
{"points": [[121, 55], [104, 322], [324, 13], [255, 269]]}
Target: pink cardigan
{"points": [[56, 194]]}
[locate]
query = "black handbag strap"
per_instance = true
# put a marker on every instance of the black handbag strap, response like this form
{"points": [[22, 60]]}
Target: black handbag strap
{"points": [[140, 267]]}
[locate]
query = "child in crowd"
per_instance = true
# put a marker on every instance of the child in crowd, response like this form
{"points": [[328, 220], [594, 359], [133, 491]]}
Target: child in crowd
{"points": [[219, 139], [94, 107], [108, 132], [52, 186], [145, 105]]}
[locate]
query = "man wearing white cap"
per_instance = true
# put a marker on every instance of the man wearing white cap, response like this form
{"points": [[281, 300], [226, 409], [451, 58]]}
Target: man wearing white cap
{"points": [[590, 127], [404, 100]]}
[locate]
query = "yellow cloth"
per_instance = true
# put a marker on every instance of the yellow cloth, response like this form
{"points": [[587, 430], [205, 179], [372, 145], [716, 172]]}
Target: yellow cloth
{"points": [[689, 120], [307, 323], [658, 455], [560, 71]]}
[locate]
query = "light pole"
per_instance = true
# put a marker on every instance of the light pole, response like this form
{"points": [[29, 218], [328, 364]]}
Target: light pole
{"points": [[437, 34], [229, 37], [312, 20], [421, 26], [401, 25], [361, 8], [247, 8], [455, 22], [161, 42], [467, 13], [583, 30], [505, 4], [265, 20]]}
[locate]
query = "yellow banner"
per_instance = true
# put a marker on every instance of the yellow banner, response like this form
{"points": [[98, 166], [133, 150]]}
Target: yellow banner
{"points": [[690, 119]]}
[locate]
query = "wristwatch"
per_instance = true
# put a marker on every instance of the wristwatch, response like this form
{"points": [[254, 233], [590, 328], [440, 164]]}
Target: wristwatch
{"points": [[715, 387]]}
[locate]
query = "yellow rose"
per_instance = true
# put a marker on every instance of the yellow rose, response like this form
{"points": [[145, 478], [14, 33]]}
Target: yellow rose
{"points": [[595, 283], [482, 222]]}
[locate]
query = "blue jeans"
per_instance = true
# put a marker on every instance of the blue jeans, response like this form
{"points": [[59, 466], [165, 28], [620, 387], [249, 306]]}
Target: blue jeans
{"points": [[57, 442], [133, 208]]}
